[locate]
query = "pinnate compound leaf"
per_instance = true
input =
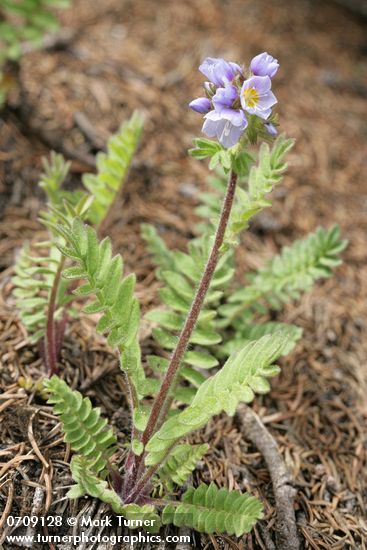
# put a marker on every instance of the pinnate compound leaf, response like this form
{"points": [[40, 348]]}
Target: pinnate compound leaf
{"points": [[292, 272], [243, 374], [180, 463], [84, 428], [211, 510], [113, 166], [205, 148], [181, 273], [262, 179], [247, 333], [113, 295]]}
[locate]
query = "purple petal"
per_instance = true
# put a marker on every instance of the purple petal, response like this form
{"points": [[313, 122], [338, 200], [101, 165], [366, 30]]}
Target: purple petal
{"points": [[212, 124], [256, 96], [200, 105], [225, 97], [264, 65], [230, 135], [261, 83], [210, 128], [207, 67], [271, 129], [262, 113], [213, 115], [227, 126], [236, 68], [267, 100], [219, 71], [235, 116]]}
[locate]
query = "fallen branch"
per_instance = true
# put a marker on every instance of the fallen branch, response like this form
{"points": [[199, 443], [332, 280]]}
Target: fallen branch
{"points": [[37, 504], [284, 492]]}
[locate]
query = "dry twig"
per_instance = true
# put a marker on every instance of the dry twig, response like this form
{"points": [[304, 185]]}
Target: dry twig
{"points": [[254, 430]]}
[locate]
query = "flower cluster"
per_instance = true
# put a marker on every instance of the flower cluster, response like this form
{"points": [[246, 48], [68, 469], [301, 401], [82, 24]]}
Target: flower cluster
{"points": [[231, 97]]}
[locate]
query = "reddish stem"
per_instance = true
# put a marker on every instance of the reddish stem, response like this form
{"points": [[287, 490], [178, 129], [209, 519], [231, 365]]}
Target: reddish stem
{"points": [[51, 340], [191, 320]]}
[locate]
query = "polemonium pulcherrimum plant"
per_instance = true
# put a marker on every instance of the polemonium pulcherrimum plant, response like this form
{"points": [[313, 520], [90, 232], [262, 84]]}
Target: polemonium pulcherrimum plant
{"points": [[238, 112]]}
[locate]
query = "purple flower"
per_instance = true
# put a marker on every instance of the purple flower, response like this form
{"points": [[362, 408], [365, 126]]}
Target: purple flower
{"points": [[219, 71], [225, 97], [257, 97], [271, 129], [200, 105], [230, 98], [264, 65], [227, 126]]}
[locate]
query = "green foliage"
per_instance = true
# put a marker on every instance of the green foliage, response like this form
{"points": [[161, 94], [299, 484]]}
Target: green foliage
{"points": [[236, 158], [284, 277], [252, 348], [89, 483], [55, 171], [33, 281], [181, 273], [36, 272], [180, 464], [212, 510], [205, 148], [204, 508], [243, 374], [113, 166], [210, 201], [103, 274], [163, 257], [288, 274], [257, 180], [113, 294], [261, 181], [37, 267], [245, 333], [25, 21], [83, 427]]}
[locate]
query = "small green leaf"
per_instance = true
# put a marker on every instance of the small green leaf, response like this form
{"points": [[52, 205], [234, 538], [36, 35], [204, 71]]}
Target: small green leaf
{"points": [[137, 447], [204, 148]]}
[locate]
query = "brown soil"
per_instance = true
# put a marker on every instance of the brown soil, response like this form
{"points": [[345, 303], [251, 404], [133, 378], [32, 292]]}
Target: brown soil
{"points": [[142, 54]]}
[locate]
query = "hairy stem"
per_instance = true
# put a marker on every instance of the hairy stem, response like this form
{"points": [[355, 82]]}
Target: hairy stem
{"points": [[60, 332], [191, 320], [51, 339], [168, 403], [194, 312], [142, 483], [145, 479], [134, 403]]}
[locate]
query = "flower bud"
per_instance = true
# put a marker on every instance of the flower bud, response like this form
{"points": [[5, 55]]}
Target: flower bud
{"points": [[264, 65], [200, 105], [210, 89], [271, 129]]}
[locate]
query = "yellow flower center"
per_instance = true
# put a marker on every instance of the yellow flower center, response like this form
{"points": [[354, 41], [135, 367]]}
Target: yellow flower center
{"points": [[251, 96]]}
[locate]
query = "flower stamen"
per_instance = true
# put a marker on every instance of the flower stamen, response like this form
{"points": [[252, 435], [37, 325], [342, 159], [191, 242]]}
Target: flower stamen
{"points": [[251, 96]]}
